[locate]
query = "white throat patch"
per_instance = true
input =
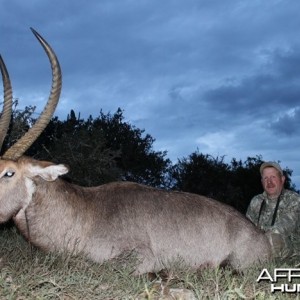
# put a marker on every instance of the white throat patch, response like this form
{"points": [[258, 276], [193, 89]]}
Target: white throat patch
{"points": [[30, 189]]}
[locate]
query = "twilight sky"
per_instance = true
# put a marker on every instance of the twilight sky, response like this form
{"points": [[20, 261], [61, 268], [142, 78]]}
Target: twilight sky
{"points": [[219, 76]]}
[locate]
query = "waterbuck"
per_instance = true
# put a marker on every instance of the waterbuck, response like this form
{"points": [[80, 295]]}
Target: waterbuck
{"points": [[105, 221]]}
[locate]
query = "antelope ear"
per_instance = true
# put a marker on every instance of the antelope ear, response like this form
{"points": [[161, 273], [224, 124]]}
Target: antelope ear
{"points": [[48, 172]]}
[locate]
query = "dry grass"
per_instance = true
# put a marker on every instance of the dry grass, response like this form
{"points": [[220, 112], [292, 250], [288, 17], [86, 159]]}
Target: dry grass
{"points": [[27, 273]]}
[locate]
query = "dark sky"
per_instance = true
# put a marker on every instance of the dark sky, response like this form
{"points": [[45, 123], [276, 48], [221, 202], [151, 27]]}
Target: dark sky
{"points": [[219, 76]]}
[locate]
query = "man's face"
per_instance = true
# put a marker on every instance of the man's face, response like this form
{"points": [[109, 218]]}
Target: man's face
{"points": [[272, 181]]}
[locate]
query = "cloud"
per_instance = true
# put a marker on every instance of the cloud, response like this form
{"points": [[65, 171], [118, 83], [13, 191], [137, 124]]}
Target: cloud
{"points": [[220, 76], [288, 123]]}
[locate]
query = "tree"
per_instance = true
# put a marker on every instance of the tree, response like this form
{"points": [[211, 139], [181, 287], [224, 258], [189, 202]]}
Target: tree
{"points": [[107, 149], [21, 120], [138, 161], [201, 174], [83, 148], [235, 183], [101, 150]]}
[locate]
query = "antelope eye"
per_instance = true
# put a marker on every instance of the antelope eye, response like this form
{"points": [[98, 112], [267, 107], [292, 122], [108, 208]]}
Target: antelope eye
{"points": [[9, 174]]}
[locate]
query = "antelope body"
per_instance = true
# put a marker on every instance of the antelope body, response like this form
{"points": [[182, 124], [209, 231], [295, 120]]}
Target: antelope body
{"points": [[102, 222]]}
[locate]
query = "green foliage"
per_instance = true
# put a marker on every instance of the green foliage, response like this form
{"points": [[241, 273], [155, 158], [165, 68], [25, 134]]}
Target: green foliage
{"points": [[138, 161], [201, 174], [108, 149], [104, 149], [234, 183], [21, 121], [81, 146], [97, 150]]}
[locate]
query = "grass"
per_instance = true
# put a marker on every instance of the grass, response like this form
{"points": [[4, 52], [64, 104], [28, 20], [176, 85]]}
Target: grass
{"points": [[27, 273]]}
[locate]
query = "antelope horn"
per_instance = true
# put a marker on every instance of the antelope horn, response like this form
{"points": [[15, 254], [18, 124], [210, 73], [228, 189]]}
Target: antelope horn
{"points": [[19, 148], [7, 103]]}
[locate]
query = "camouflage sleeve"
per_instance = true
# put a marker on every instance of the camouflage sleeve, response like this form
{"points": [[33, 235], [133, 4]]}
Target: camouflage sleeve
{"points": [[254, 208], [288, 219], [287, 224]]}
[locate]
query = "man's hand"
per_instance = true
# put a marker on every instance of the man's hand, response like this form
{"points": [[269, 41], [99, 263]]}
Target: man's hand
{"points": [[277, 242]]}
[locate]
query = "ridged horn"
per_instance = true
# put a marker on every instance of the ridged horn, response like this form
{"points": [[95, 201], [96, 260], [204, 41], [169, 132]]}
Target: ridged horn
{"points": [[7, 102], [19, 148]]}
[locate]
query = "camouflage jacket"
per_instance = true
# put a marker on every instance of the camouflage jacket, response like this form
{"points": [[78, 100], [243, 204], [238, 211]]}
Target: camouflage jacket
{"points": [[287, 221]]}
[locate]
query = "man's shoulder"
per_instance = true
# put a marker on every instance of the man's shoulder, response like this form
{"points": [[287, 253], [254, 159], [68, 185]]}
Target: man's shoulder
{"points": [[257, 200], [291, 193], [291, 197]]}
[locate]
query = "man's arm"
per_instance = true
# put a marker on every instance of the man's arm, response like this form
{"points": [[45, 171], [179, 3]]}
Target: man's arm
{"points": [[253, 209]]}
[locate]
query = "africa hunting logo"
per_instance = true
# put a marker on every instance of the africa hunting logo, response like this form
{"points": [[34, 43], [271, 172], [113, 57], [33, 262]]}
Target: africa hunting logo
{"points": [[283, 280]]}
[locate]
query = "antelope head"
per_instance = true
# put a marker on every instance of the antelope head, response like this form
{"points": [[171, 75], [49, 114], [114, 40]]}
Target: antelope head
{"points": [[16, 170], [20, 147]]}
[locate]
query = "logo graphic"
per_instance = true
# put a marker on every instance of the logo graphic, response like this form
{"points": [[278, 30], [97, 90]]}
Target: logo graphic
{"points": [[283, 280]]}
